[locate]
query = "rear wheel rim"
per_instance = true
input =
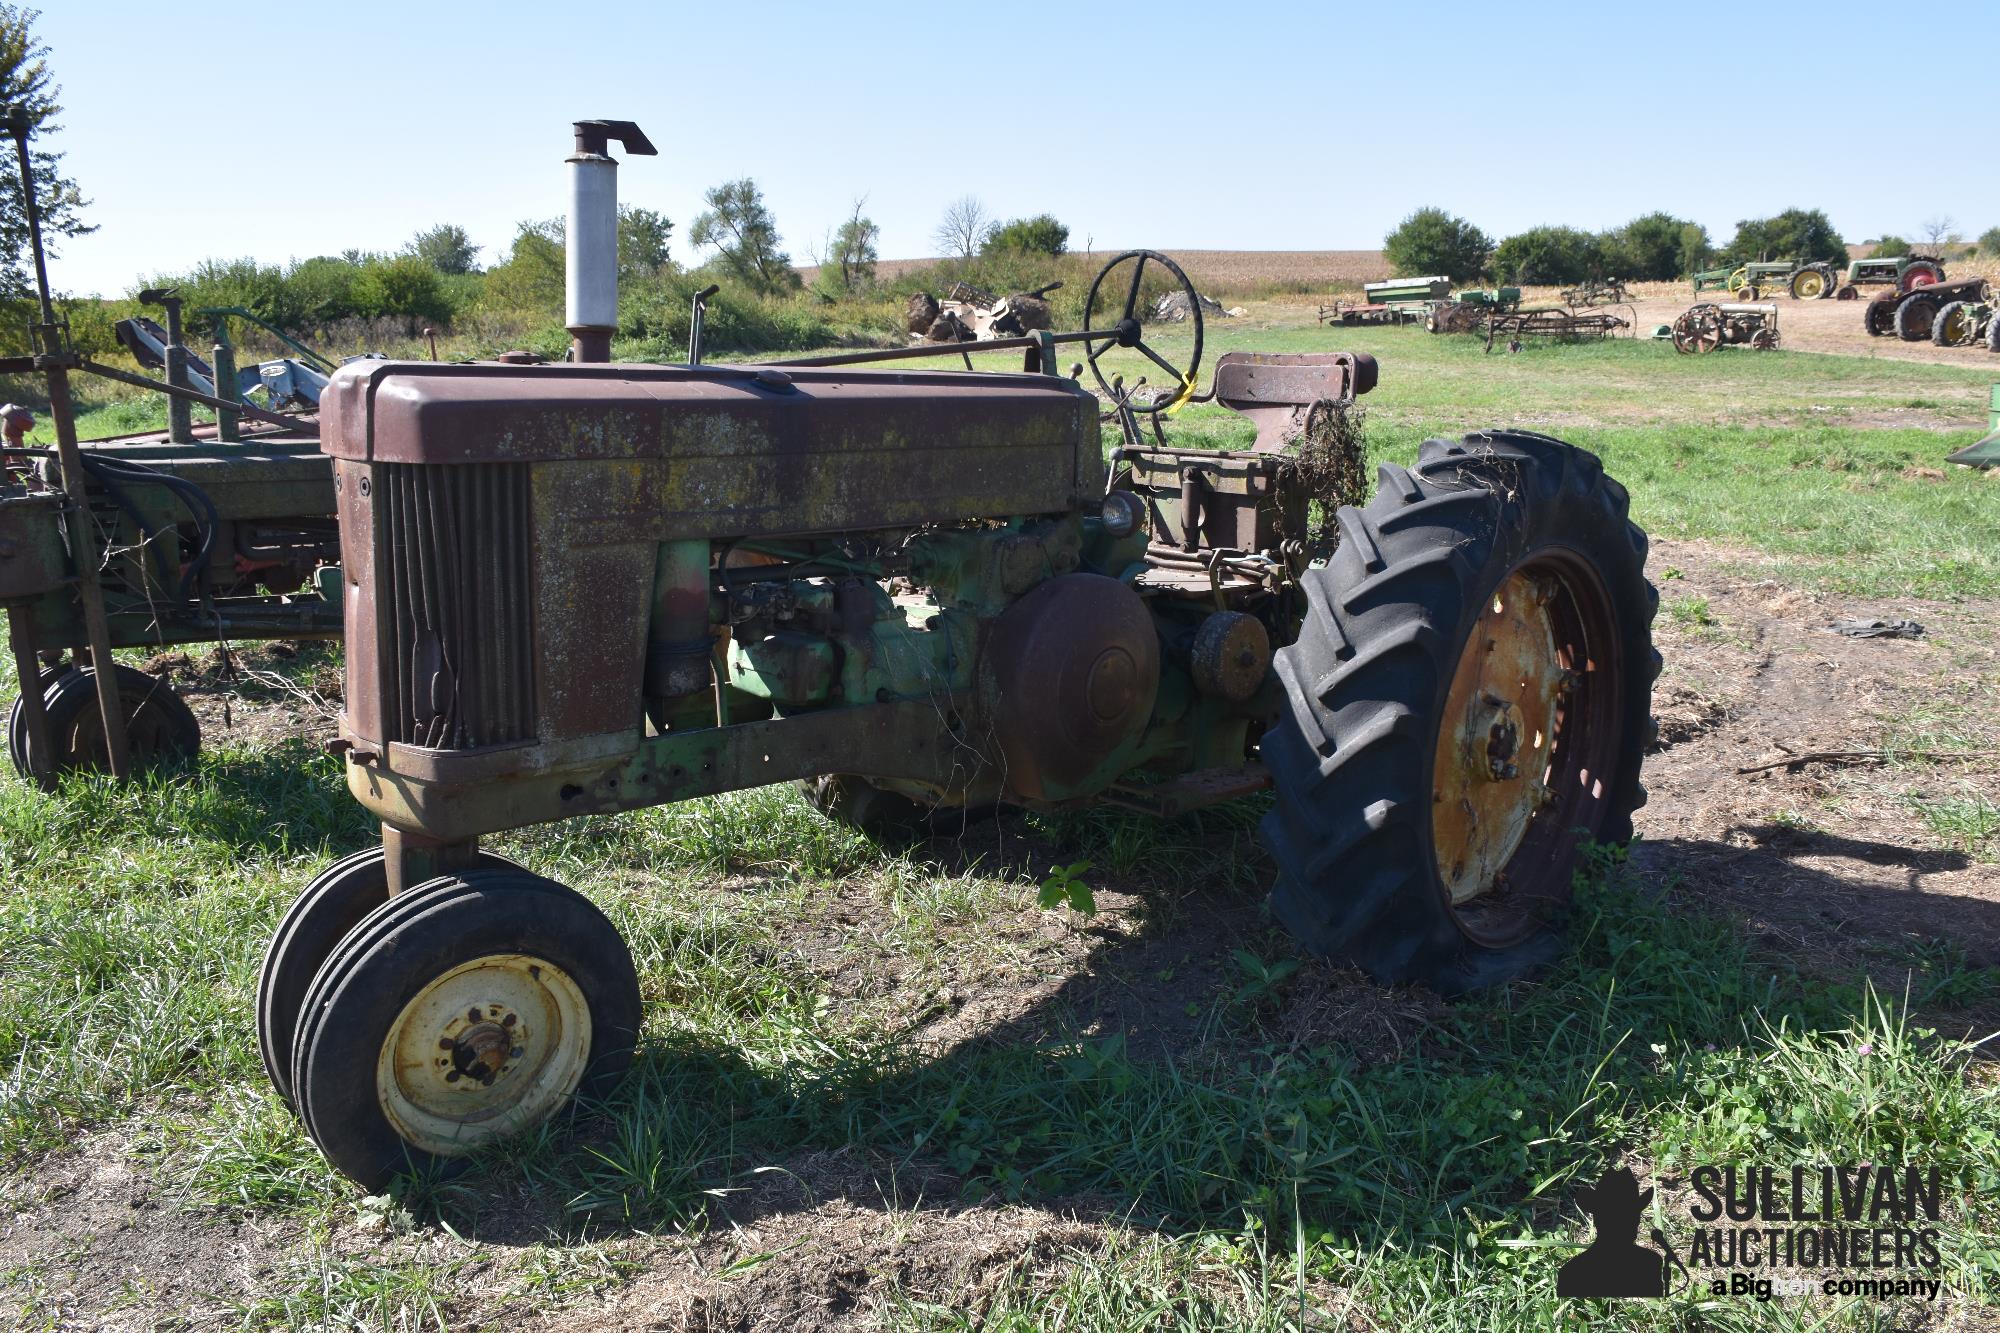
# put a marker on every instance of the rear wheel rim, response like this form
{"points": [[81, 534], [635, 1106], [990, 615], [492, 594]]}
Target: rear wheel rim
{"points": [[493, 1046], [1526, 743], [1810, 285]]}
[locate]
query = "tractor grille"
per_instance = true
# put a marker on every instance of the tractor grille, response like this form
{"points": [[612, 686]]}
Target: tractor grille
{"points": [[456, 669]]}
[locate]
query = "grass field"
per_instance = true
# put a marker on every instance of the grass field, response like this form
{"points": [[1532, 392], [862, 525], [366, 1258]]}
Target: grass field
{"points": [[889, 1062]]}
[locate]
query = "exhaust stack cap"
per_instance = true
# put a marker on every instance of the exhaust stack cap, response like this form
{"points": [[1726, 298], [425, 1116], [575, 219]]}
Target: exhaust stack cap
{"points": [[591, 238]]}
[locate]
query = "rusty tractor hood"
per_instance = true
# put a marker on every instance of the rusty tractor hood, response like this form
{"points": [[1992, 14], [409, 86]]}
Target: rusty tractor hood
{"points": [[430, 412]]}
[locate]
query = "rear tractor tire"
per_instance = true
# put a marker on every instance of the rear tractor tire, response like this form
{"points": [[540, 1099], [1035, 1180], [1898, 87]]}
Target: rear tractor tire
{"points": [[1878, 317], [1810, 284], [1993, 332], [1916, 317], [1954, 326], [159, 728], [1923, 273], [1465, 707], [457, 1014]]}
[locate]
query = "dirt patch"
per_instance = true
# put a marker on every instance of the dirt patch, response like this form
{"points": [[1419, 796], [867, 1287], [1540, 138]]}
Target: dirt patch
{"points": [[790, 1257], [259, 693], [1338, 1006], [91, 1240], [1831, 858]]}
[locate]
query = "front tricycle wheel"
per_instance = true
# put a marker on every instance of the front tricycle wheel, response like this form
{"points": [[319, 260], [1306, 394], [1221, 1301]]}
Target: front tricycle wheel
{"points": [[1465, 707], [467, 1010]]}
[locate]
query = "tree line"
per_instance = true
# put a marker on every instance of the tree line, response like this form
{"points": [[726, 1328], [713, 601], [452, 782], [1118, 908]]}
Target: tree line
{"points": [[1656, 247]]}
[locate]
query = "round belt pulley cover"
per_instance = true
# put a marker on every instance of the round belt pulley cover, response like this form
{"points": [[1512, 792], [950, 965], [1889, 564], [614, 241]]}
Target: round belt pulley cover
{"points": [[1231, 654], [1071, 672]]}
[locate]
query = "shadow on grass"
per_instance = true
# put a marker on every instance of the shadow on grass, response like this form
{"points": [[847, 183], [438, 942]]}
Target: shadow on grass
{"points": [[1671, 1031]]}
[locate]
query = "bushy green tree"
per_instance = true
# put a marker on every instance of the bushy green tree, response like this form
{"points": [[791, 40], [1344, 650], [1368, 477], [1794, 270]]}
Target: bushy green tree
{"points": [[25, 82], [744, 235], [1989, 242], [1432, 241], [531, 279], [642, 243], [323, 290], [848, 265], [1656, 247], [1547, 255], [404, 288], [1889, 246], [243, 283], [1804, 234], [1038, 235], [447, 247]]}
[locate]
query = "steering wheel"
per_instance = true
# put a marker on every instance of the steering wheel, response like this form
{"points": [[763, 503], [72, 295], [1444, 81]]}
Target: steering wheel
{"points": [[1129, 328]]}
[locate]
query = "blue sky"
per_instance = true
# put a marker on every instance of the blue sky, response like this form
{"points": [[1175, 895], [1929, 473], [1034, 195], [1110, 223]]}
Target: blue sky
{"points": [[1222, 126]]}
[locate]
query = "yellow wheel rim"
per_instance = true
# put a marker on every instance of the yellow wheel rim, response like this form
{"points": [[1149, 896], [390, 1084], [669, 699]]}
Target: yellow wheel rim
{"points": [[492, 1047], [1810, 285], [1954, 327]]}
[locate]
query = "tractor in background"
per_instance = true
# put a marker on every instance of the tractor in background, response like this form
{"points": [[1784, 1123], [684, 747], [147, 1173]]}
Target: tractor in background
{"points": [[1903, 273]]}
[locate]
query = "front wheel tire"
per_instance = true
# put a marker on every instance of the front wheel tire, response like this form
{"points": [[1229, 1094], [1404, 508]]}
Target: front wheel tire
{"points": [[337, 900], [1465, 708], [467, 1010]]}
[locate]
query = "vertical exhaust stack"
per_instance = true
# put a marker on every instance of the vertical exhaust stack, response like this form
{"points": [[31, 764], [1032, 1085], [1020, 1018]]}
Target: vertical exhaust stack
{"points": [[590, 277]]}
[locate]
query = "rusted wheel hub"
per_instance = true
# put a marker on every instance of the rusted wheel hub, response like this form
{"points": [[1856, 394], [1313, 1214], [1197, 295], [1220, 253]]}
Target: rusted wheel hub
{"points": [[489, 1048], [1516, 738]]}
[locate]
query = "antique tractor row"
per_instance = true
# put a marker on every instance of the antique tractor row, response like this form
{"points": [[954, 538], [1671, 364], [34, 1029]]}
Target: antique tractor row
{"points": [[1707, 326], [589, 588], [1915, 316], [1819, 280]]}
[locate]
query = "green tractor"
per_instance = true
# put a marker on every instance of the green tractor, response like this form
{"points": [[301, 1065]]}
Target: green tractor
{"points": [[1966, 323], [1905, 273], [589, 588], [1746, 282]]}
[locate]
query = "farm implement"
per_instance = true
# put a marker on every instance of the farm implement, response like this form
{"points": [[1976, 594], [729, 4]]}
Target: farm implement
{"points": [[1594, 291], [1709, 325], [1983, 452], [184, 536], [1557, 323], [587, 588], [1466, 311], [1396, 301]]}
